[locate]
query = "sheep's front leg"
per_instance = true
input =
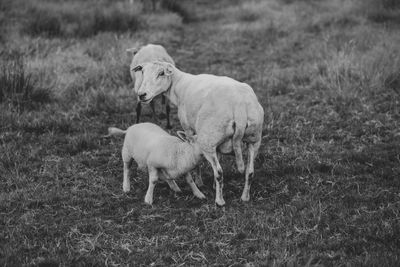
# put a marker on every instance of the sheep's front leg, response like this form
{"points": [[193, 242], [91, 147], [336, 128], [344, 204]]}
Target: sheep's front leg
{"points": [[193, 186], [218, 177], [165, 102], [153, 177], [138, 111], [153, 108]]}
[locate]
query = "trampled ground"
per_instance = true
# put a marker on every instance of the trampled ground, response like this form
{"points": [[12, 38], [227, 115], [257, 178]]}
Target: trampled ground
{"points": [[326, 189]]}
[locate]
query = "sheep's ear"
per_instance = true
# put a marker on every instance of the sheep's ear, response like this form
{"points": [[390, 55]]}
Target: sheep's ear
{"points": [[137, 68], [168, 69], [182, 135], [132, 51]]}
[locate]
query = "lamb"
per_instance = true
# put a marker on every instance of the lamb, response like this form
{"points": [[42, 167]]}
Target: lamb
{"points": [[224, 113], [165, 156], [148, 53]]}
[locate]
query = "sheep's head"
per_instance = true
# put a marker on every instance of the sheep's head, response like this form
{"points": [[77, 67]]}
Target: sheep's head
{"points": [[156, 79]]}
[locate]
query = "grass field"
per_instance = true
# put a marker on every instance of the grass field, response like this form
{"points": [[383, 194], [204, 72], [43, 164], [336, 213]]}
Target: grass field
{"points": [[327, 180]]}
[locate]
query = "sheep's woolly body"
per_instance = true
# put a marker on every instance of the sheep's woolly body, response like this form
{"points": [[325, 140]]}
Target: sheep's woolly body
{"points": [[223, 113]]}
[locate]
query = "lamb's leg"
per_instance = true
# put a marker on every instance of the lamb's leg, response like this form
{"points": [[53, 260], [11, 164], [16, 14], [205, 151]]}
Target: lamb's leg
{"points": [[171, 182], [126, 186], [197, 178], [252, 152], [193, 186], [138, 111], [153, 177], [218, 176]]}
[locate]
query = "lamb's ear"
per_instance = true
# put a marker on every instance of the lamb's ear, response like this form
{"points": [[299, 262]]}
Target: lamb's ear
{"points": [[182, 135], [192, 139], [168, 69], [132, 51], [137, 68]]}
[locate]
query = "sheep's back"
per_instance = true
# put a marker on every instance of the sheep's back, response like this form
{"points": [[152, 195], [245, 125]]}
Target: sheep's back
{"points": [[142, 138]]}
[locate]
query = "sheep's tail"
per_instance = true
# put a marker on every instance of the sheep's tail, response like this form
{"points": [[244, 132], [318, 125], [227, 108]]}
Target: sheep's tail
{"points": [[240, 123], [115, 131]]}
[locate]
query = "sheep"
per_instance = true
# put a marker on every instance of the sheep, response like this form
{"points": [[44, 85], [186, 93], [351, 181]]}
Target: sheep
{"points": [[148, 53], [165, 156], [222, 112]]}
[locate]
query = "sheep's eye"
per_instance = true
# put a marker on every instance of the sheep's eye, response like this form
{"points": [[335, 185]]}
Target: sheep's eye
{"points": [[137, 68], [161, 74]]}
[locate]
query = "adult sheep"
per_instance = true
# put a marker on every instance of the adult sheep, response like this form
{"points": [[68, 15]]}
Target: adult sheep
{"points": [[223, 112], [140, 55]]}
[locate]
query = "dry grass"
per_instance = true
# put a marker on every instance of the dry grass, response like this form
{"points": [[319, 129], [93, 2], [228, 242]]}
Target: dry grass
{"points": [[326, 186]]}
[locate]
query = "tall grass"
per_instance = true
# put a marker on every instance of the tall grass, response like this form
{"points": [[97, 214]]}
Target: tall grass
{"points": [[78, 19], [17, 86], [177, 7], [382, 11]]}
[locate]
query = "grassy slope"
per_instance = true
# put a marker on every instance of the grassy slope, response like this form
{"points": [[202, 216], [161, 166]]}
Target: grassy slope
{"points": [[327, 177]]}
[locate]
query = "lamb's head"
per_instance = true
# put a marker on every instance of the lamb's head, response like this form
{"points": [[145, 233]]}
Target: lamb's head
{"points": [[191, 140], [157, 79]]}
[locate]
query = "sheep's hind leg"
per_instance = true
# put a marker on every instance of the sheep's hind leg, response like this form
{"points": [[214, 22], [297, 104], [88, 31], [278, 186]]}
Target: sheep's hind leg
{"points": [[218, 177], [193, 186], [171, 182], [153, 177], [126, 185], [252, 152], [173, 186]]}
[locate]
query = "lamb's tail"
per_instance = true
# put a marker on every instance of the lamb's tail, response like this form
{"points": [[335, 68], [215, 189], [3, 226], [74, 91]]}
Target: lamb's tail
{"points": [[240, 123], [115, 131]]}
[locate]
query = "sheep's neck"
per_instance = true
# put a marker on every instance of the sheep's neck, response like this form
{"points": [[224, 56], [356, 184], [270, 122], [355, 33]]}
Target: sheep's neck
{"points": [[178, 86]]}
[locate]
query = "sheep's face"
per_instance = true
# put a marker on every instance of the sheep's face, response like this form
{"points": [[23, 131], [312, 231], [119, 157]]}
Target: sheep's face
{"points": [[156, 79]]}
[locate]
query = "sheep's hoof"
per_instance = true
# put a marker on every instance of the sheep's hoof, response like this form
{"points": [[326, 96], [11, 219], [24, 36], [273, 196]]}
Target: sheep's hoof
{"points": [[220, 202], [126, 189], [245, 197], [241, 168], [148, 201]]}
